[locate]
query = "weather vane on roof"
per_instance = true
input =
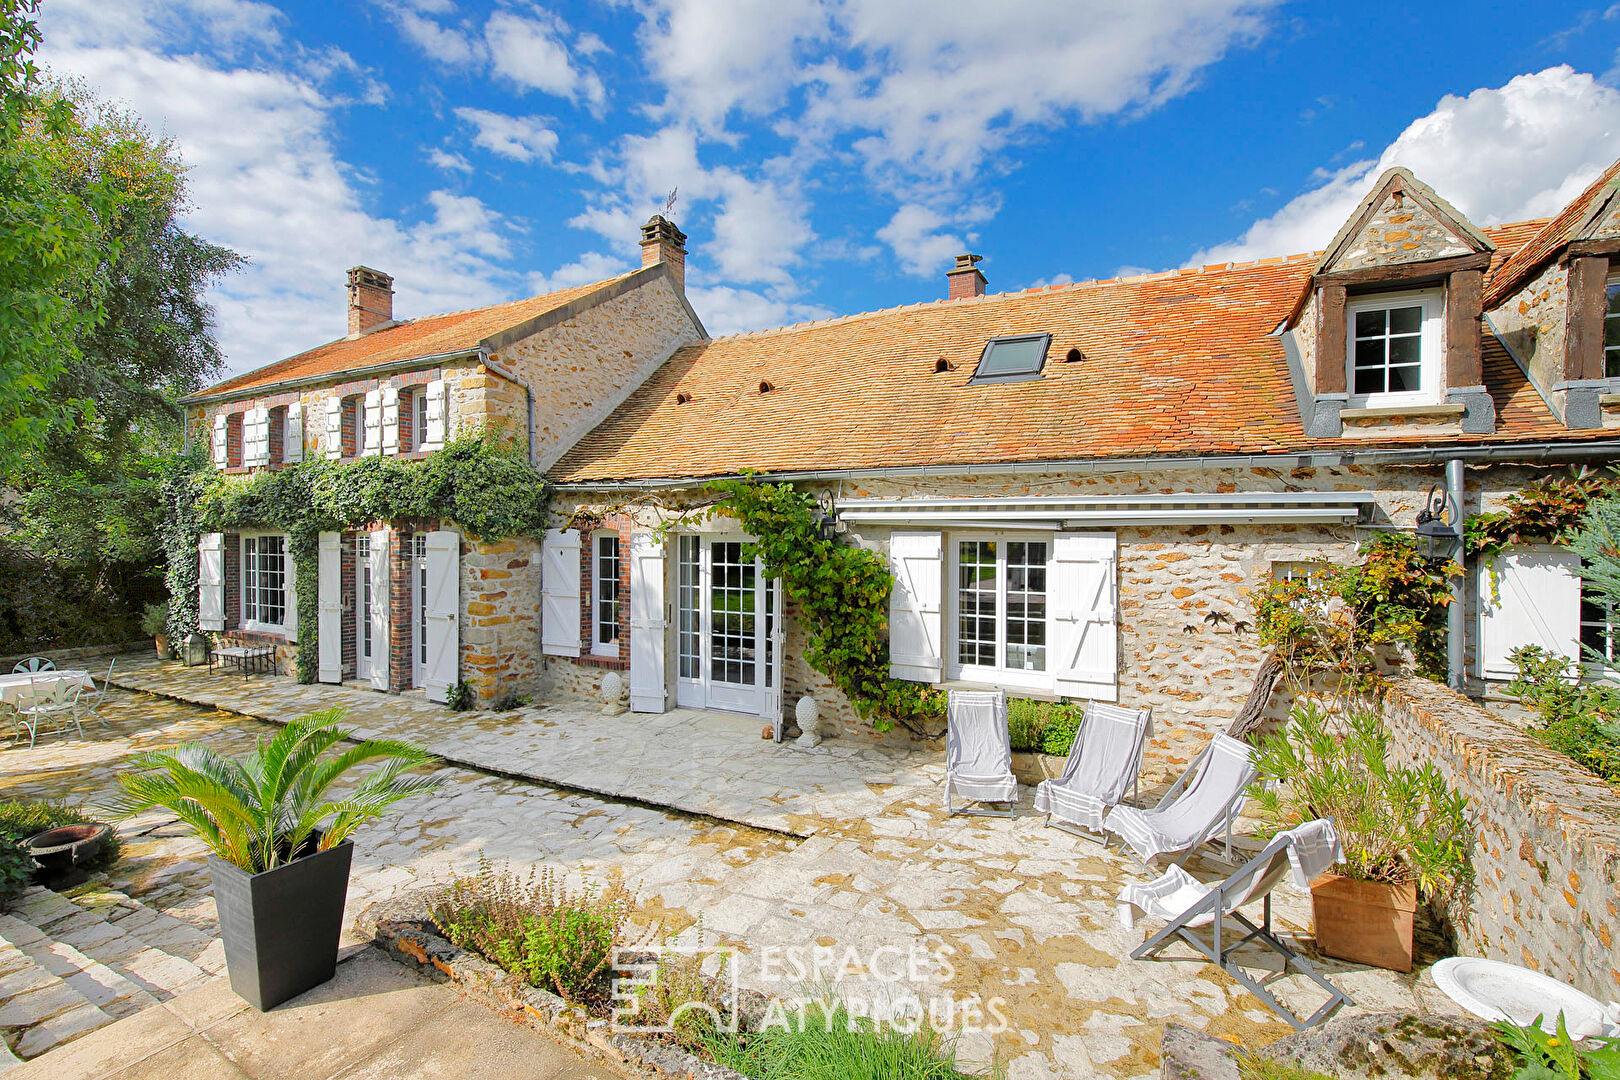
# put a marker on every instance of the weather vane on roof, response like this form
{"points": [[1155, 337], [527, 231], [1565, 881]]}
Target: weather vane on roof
{"points": [[669, 201]]}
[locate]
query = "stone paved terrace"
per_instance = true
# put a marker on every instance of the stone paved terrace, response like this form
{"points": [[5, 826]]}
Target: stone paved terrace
{"points": [[1027, 912]]}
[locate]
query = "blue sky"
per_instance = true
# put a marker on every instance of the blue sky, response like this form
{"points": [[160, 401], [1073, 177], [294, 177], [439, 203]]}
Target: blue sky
{"points": [[830, 156]]}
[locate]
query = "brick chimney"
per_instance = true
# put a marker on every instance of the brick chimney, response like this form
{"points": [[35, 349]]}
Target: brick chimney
{"points": [[371, 300], [965, 278], [662, 242]]}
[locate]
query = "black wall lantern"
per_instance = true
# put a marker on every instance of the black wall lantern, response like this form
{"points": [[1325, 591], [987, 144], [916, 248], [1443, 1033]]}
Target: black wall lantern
{"points": [[826, 519], [1437, 535]]}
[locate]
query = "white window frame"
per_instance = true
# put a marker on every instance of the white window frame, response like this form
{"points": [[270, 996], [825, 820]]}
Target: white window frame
{"points": [[1609, 628], [997, 674], [249, 572], [1612, 282], [1432, 346], [419, 597], [599, 602], [418, 405]]}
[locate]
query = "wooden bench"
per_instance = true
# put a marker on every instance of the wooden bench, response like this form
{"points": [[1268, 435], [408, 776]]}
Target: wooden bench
{"points": [[248, 658]]}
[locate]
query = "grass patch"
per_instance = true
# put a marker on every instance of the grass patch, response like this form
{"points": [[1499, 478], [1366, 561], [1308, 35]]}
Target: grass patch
{"points": [[1254, 1067], [830, 1044], [1045, 727]]}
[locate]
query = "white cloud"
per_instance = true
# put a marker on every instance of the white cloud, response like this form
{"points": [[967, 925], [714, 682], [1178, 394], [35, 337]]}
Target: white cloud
{"points": [[589, 267], [266, 181], [446, 45], [1507, 153], [225, 25], [728, 310], [448, 160], [531, 52], [917, 236], [520, 138]]}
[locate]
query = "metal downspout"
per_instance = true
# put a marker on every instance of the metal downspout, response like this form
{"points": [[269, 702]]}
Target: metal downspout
{"points": [[1456, 615]]}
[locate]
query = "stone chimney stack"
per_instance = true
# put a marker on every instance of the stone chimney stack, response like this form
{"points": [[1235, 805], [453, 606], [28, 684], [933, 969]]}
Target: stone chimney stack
{"points": [[662, 242], [965, 278], [371, 300]]}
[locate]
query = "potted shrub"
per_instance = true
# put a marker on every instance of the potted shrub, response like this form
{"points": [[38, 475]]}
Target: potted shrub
{"points": [[278, 837], [1405, 833], [155, 625]]}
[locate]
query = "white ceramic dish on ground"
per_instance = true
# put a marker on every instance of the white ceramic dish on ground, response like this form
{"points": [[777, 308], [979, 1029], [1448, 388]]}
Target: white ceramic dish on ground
{"points": [[1493, 990]]}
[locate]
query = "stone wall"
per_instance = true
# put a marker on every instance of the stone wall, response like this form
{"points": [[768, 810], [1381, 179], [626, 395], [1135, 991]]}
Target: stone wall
{"points": [[1401, 230], [1547, 852], [500, 616], [1532, 324]]}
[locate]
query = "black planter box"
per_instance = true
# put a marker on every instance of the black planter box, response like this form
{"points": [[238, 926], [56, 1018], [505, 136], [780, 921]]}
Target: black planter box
{"points": [[281, 927]]}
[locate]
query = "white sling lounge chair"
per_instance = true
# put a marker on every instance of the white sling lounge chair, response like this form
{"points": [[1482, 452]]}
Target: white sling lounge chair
{"points": [[1104, 760], [978, 752], [1199, 807], [1189, 906]]}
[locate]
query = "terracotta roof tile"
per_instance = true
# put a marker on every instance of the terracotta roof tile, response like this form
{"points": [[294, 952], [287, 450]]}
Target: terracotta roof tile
{"points": [[1537, 250], [1176, 363], [431, 336]]}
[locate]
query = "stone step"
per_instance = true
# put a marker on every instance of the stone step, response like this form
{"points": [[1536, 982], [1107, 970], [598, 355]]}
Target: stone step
{"points": [[161, 955], [43, 1009]]}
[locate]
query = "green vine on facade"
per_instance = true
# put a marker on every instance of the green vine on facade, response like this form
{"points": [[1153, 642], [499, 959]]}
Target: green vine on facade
{"points": [[842, 593], [487, 489], [1545, 511]]}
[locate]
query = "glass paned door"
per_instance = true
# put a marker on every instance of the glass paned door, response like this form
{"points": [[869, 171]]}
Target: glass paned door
{"points": [[362, 606], [726, 623], [419, 595]]}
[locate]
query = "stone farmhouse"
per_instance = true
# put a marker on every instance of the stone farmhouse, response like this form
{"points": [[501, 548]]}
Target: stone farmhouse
{"points": [[1075, 485]]}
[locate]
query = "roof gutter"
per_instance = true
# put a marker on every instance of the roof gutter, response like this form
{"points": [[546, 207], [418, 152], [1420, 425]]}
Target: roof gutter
{"points": [[346, 375], [528, 395], [1543, 453]]}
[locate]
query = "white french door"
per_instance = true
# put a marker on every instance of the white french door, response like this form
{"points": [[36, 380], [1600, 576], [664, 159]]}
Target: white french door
{"points": [[362, 606], [728, 628]]}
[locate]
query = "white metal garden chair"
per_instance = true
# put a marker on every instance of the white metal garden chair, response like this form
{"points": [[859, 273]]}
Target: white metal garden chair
{"points": [[56, 700], [33, 664], [92, 703], [1104, 761]]}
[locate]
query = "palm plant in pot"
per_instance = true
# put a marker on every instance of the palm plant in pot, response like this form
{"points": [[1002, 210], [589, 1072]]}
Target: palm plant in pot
{"points": [[1405, 833], [277, 824]]}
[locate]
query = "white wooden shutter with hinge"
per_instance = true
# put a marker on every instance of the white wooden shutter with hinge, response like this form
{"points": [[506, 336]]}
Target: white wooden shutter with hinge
{"points": [[222, 443], [918, 562], [433, 437], [648, 679], [334, 428], [390, 419], [211, 581], [292, 438], [381, 590], [256, 437], [329, 607], [443, 613], [372, 446], [1535, 600], [289, 618], [777, 639], [559, 593], [1083, 591]]}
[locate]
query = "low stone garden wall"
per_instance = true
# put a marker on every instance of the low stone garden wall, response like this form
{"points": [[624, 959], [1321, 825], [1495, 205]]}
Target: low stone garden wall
{"points": [[66, 657], [1547, 851]]}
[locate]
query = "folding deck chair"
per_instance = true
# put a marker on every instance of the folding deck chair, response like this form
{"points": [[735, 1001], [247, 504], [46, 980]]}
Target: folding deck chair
{"points": [[1105, 759], [978, 752], [1198, 808], [1188, 906]]}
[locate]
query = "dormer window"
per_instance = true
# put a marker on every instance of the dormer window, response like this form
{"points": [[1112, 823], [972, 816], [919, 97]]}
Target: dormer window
{"points": [[1012, 359], [1611, 332], [1394, 348]]}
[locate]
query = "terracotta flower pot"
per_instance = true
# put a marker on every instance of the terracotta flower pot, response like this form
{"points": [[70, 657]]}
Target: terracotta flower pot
{"points": [[162, 643], [1367, 922]]}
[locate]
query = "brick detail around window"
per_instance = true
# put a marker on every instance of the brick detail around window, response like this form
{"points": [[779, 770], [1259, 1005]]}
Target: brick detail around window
{"points": [[233, 441], [407, 418], [587, 596], [278, 436], [349, 579], [401, 622], [351, 437], [233, 581]]}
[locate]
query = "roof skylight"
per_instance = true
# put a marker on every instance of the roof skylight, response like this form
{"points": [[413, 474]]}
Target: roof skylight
{"points": [[1012, 359]]}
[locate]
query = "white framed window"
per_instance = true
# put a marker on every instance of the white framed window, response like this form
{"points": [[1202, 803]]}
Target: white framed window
{"points": [[418, 405], [1611, 331], [419, 590], [1393, 348], [605, 593], [264, 583], [998, 627], [1600, 635]]}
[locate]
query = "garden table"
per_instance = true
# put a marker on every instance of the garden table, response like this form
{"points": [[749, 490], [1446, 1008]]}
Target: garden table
{"points": [[14, 686]]}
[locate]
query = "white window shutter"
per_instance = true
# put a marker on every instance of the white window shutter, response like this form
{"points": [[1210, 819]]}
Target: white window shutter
{"points": [[918, 562], [292, 439], [289, 621], [1083, 592], [334, 428], [1536, 600], [256, 437], [390, 419], [373, 433], [433, 437], [222, 448], [443, 613], [381, 589], [211, 581], [559, 593], [648, 680], [329, 621]]}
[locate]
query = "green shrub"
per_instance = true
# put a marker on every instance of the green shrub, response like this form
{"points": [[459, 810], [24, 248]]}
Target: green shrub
{"points": [[1558, 1057], [1044, 726], [1579, 719], [830, 1044], [509, 701], [683, 998], [155, 620], [536, 928], [460, 697]]}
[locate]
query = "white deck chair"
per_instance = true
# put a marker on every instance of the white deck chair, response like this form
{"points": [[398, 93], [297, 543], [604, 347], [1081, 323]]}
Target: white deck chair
{"points": [[978, 752], [1198, 808], [1188, 906], [1105, 759]]}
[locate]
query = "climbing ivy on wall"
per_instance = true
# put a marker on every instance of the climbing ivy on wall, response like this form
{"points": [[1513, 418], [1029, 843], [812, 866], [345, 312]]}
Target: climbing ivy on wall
{"points": [[487, 488], [1544, 511], [843, 597]]}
